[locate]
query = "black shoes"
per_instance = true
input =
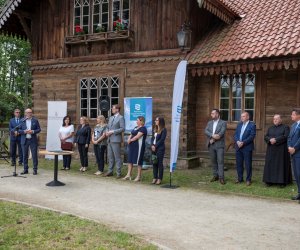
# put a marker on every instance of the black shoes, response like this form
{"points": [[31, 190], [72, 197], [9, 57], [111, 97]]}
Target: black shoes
{"points": [[34, 172], [24, 172], [215, 178], [297, 197], [108, 174]]}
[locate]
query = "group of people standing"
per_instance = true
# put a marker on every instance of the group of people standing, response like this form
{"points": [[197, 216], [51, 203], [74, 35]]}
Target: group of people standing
{"points": [[283, 147], [109, 137]]}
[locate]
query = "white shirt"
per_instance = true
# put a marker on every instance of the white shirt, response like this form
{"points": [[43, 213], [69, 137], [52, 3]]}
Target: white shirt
{"points": [[28, 126], [243, 130], [215, 126], [155, 135], [66, 131]]}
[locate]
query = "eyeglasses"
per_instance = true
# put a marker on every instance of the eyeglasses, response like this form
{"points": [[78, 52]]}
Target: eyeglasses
{"points": [[157, 120]]}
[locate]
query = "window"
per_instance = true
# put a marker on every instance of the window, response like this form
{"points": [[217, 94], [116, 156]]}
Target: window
{"points": [[237, 93], [90, 91], [94, 16]]}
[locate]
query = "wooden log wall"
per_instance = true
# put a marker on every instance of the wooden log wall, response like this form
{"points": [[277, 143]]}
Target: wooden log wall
{"points": [[278, 92], [154, 25], [150, 79]]}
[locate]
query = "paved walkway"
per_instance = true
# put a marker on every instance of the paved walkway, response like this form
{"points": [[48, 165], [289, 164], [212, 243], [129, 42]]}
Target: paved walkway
{"points": [[172, 219]]}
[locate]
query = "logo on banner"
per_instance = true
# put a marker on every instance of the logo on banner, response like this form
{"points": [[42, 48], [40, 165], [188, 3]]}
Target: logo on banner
{"points": [[137, 108], [178, 114]]}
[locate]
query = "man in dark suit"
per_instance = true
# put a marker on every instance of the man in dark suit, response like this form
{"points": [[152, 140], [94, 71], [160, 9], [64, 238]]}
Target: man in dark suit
{"points": [[116, 127], [215, 132], [15, 138], [244, 145], [29, 130], [294, 148]]}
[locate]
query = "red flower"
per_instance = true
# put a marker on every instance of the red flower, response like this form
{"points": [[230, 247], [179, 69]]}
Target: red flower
{"points": [[119, 21], [78, 29]]}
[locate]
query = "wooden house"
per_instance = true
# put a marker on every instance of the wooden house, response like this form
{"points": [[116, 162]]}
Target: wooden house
{"points": [[242, 55]]}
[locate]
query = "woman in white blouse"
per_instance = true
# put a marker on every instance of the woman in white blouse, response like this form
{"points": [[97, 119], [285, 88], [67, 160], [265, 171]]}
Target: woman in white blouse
{"points": [[66, 133]]}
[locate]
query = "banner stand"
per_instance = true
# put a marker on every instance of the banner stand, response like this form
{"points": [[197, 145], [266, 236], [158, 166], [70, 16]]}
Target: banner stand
{"points": [[170, 184]]}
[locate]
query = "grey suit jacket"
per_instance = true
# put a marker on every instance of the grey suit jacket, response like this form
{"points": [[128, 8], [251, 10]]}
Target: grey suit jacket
{"points": [[117, 124], [220, 130]]}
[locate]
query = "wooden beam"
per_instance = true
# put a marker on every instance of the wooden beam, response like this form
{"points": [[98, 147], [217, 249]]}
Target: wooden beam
{"points": [[52, 4], [23, 13], [25, 26]]}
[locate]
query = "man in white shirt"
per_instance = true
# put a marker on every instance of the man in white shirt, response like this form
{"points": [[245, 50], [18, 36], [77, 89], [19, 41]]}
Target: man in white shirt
{"points": [[215, 132], [29, 129], [116, 127]]}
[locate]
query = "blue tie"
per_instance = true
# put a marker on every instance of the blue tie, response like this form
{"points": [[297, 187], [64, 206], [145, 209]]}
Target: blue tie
{"points": [[242, 131], [17, 121]]}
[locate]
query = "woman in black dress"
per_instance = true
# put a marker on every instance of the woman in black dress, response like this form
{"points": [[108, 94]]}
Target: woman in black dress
{"points": [[82, 140], [136, 148], [158, 149]]}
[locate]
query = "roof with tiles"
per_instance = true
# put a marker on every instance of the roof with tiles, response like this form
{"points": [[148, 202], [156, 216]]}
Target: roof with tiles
{"points": [[267, 28]]}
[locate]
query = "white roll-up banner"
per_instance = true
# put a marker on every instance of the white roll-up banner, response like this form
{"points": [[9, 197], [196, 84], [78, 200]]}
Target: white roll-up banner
{"points": [[57, 110], [176, 112]]}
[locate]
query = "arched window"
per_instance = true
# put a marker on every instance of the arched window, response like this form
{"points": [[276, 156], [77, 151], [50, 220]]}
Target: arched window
{"points": [[237, 94]]}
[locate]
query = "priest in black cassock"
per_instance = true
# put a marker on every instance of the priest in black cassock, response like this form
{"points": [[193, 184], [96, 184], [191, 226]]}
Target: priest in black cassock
{"points": [[277, 164]]}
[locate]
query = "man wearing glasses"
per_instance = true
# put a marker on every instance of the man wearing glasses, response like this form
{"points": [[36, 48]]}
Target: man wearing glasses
{"points": [[15, 138], [29, 129]]}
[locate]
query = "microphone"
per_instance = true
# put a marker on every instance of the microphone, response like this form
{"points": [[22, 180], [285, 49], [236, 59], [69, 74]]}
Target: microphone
{"points": [[24, 119]]}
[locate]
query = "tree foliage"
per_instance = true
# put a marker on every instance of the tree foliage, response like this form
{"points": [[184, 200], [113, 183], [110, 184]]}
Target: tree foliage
{"points": [[14, 74]]}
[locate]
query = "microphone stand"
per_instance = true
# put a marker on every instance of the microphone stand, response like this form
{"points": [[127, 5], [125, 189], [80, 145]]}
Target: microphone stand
{"points": [[14, 174]]}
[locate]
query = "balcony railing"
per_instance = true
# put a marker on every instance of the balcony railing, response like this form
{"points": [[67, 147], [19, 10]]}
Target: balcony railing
{"points": [[102, 36]]}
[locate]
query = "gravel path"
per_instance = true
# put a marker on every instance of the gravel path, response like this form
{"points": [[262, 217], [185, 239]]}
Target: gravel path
{"points": [[171, 219]]}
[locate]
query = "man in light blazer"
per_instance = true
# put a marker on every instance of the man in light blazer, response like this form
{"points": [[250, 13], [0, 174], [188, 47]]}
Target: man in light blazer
{"points": [[116, 127], [244, 145], [29, 129], [215, 132], [293, 144]]}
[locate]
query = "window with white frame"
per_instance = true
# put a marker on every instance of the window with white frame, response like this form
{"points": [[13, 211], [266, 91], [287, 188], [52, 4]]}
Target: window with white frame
{"points": [[94, 16], [237, 94], [91, 89]]}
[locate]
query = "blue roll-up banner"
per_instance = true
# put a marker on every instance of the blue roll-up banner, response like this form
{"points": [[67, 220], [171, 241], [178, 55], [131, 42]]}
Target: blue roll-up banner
{"points": [[179, 82], [134, 107]]}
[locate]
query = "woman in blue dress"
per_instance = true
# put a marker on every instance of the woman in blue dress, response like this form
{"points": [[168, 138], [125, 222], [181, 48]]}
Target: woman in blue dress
{"points": [[136, 148]]}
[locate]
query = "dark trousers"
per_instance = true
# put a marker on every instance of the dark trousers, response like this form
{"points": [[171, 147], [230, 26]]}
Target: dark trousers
{"points": [[241, 157], [33, 147], [158, 169], [14, 144], [83, 153], [99, 153], [296, 170], [67, 161]]}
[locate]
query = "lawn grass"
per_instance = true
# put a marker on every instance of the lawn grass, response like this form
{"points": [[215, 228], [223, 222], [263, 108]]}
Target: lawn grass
{"points": [[24, 227], [197, 179]]}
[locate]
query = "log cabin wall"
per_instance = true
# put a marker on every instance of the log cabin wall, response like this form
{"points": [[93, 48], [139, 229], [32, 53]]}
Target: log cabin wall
{"points": [[153, 79], [277, 92], [153, 26]]}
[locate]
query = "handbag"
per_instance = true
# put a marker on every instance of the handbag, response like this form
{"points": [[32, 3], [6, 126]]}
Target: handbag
{"points": [[66, 146], [154, 159]]}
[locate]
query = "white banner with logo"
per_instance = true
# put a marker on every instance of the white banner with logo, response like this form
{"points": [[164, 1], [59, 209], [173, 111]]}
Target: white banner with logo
{"points": [[176, 112], [57, 110]]}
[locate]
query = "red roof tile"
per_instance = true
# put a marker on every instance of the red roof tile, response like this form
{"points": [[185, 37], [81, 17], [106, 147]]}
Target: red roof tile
{"points": [[267, 28]]}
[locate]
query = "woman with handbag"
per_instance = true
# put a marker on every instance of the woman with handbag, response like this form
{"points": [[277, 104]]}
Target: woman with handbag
{"points": [[100, 142], [66, 133], [82, 141], [158, 150]]}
